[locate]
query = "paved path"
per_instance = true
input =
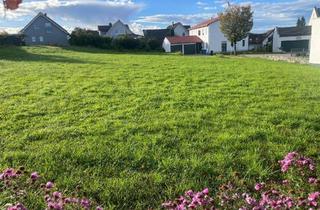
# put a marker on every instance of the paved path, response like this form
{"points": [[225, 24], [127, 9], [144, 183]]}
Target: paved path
{"points": [[280, 57]]}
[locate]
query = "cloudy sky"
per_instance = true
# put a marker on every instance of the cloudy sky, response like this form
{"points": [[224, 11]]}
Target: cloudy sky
{"points": [[141, 14]]}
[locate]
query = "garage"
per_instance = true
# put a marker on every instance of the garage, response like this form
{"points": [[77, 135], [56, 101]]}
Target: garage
{"points": [[288, 46], [187, 45]]}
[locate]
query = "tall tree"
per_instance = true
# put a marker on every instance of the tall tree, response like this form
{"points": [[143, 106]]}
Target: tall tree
{"points": [[236, 22]]}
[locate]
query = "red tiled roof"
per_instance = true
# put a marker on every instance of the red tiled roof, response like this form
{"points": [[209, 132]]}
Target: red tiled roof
{"points": [[183, 39], [205, 23]]}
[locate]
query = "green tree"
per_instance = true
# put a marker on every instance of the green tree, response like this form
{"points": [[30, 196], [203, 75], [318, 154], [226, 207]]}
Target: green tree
{"points": [[236, 22]]}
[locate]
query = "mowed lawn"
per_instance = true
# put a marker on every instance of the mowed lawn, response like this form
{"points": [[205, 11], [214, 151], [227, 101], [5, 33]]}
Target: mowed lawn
{"points": [[134, 130]]}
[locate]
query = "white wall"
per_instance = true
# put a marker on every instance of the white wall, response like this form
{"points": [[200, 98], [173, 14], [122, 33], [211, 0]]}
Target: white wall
{"points": [[166, 45], [212, 38], [315, 42], [180, 30], [118, 29]]}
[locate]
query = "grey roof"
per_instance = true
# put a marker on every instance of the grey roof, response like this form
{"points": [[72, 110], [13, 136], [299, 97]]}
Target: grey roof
{"points": [[104, 28], [294, 31], [157, 34], [44, 15], [317, 11], [259, 38]]}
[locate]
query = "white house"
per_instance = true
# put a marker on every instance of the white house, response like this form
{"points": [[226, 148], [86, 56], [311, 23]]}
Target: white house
{"points": [[287, 39], [214, 41], [179, 29], [185, 44], [315, 37], [115, 30]]}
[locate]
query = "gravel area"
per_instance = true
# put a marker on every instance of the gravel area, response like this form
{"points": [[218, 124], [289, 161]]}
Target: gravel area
{"points": [[281, 57]]}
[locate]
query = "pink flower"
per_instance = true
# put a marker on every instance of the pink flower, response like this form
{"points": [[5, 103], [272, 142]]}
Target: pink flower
{"points": [[205, 191], [314, 196], [57, 194], [259, 186], [34, 176], [99, 208], [49, 185], [85, 203]]}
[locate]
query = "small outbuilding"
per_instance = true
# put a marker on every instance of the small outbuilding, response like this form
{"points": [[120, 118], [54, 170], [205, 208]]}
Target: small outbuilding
{"points": [[187, 45]]}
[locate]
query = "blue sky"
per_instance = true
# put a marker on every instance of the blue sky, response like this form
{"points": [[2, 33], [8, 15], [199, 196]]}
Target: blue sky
{"points": [[141, 14]]}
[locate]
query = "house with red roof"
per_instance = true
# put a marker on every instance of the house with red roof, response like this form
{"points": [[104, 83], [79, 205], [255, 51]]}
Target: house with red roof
{"points": [[187, 45], [214, 41]]}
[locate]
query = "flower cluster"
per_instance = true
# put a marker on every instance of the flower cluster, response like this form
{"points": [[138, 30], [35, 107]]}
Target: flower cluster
{"points": [[293, 159], [16, 183], [292, 193], [191, 200]]}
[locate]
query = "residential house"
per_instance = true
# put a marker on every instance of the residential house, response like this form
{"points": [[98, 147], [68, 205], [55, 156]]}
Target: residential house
{"points": [[42, 30], [288, 39], [179, 29], [184, 44], [116, 30], [315, 37], [214, 41], [262, 41], [176, 29]]}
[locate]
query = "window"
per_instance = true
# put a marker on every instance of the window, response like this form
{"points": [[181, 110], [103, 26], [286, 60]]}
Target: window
{"points": [[48, 27], [40, 38], [223, 46], [243, 43], [33, 39], [199, 33], [183, 34]]}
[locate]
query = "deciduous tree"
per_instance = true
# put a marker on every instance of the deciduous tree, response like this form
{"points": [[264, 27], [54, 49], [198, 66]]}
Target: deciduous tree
{"points": [[236, 22]]}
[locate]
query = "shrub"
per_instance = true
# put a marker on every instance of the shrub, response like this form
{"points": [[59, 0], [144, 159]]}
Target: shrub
{"points": [[83, 37]]}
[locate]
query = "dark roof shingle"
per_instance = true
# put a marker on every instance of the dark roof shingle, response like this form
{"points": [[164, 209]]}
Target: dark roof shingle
{"points": [[104, 28], [157, 34], [294, 31]]}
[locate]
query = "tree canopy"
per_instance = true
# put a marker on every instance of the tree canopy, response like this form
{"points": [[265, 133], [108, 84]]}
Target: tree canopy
{"points": [[236, 22]]}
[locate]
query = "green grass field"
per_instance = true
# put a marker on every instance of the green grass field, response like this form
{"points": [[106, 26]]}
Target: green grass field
{"points": [[136, 129]]}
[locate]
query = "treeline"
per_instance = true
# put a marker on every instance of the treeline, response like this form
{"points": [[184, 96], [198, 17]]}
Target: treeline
{"points": [[88, 38]]}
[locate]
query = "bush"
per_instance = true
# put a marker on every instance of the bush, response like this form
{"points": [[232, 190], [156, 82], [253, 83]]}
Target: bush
{"points": [[7, 39], [87, 38]]}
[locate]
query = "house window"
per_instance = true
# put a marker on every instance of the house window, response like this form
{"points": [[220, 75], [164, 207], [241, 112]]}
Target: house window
{"points": [[48, 27], [199, 33], [33, 39], [223, 46], [183, 34], [40, 38], [243, 43]]}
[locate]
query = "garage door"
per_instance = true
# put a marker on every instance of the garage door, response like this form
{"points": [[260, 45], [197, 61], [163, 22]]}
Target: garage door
{"points": [[176, 48], [287, 46], [190, 49]]}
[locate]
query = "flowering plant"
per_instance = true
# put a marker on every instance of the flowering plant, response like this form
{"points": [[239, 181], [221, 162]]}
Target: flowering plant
{"points": [[297, 191], [17, 187]]}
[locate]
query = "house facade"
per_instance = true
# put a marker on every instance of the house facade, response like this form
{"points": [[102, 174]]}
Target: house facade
{"points": [[42, 30], [176, 29], [261, 42], [214, 41], [315, 37], [116, 30], [288, 39]]}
